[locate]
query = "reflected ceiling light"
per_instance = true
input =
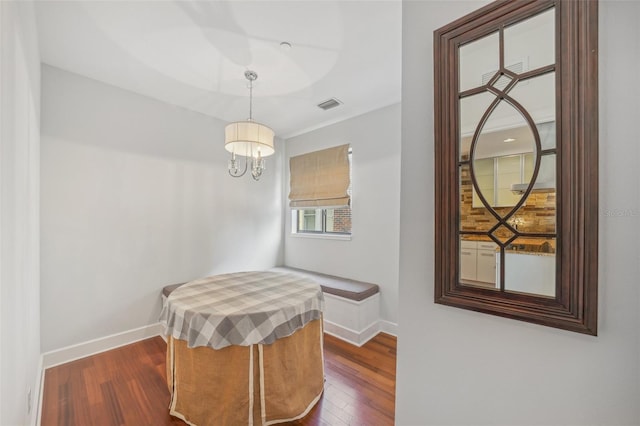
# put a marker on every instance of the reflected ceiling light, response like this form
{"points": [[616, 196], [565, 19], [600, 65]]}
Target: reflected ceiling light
{"points": [[248, 139], [509, 140]]}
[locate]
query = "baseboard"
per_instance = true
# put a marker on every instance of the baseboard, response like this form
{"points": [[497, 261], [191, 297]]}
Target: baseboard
{"points": [[389, 327], [357, 338], [92, 347], [37, 397]]}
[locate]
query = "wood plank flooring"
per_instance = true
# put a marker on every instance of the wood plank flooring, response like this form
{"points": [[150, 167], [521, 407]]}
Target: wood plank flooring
{"points": [[127, 386]]}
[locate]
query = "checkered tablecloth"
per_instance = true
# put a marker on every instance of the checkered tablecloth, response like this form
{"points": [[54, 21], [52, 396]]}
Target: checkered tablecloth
{"points": [[243, 308]]}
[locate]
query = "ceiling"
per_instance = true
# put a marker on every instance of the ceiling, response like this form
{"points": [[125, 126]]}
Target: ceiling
{"points": [[194, 54]]}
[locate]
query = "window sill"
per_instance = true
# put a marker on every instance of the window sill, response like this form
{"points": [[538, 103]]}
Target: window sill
{"points": [[342, 237]]}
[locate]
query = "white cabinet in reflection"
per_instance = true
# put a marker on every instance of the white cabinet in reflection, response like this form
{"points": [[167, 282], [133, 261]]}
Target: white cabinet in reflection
{"points": [[533, 273], [484, 170], [467, 265], [478, 261], [496, 177], [486, 265], [508, 172]]}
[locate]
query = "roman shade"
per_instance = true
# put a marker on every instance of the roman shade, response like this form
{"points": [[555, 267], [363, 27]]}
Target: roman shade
{"points": [[320, 179]]}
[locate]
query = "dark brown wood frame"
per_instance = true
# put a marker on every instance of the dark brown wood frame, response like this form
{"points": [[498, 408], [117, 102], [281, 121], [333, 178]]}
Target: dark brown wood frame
{"points": [[576, 303]]}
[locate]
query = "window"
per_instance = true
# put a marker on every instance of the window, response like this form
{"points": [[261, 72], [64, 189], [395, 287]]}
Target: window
{"points": [[316, 218], [325, 221]]}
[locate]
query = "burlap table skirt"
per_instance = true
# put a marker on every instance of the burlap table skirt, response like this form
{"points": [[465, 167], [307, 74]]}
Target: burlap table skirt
{"points": [[253, 385]]}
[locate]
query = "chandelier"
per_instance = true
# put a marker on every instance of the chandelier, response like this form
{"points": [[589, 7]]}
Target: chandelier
{"points": [[248, 139]]}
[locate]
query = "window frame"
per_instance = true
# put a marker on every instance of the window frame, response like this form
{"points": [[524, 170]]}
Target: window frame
{"points": [[295, 223]]}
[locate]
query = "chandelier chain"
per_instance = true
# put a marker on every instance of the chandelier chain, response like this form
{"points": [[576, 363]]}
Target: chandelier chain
{"points": [[251, 76], [250, 100]]}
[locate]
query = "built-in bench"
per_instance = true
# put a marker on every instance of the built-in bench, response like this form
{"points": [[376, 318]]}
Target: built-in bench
{"points": [[166, 291], [343, 287], [352, 308]]}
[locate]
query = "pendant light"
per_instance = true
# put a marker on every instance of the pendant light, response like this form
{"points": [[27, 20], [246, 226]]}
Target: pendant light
{"points": [[248, 139]]}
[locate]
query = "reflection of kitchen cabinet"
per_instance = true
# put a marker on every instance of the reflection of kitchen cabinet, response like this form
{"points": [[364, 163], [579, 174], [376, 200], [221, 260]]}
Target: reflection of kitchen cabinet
{"points": [[533, 273], [486, 262], [484, 171], [496, 175], [509, 171], [528, 168], [478, 261], [468, 260]]}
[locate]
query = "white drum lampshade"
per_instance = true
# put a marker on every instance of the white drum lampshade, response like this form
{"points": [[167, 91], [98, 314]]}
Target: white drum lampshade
{"points": [[248, 138]]}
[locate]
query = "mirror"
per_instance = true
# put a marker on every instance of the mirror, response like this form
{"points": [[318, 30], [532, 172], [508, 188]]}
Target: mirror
{"points": [[499, 138], [510, 170]]}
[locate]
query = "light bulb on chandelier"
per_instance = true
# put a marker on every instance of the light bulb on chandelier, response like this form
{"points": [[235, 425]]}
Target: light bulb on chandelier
{"points": [[248, 139]]}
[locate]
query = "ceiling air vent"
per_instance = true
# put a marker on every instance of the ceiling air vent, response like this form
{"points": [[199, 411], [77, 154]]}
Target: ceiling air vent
{"points": [[329, 103]]}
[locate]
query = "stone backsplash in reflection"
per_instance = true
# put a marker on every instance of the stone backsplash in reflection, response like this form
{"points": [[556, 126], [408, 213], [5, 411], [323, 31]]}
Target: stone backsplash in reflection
{"points": [[538, 215]]}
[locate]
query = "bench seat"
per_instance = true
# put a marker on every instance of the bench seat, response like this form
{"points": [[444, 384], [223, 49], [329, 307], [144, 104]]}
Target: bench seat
{"points": [[352, 308], [343, 287], [166, 291]]}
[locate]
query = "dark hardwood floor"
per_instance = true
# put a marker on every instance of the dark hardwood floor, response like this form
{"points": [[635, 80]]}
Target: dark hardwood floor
{"points": [[126, 386]]}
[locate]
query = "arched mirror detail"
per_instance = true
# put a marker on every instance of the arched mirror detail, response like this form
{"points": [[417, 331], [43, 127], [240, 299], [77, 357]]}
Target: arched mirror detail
{"points": [[516, 162]]}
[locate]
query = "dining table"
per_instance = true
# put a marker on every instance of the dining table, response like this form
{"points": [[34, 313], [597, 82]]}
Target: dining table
{"points": [[244, 348]]}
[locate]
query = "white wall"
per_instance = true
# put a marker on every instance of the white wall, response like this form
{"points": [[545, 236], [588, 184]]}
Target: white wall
{"points": [[135, 196], [457, 367], [372, 253], [19, 227]]}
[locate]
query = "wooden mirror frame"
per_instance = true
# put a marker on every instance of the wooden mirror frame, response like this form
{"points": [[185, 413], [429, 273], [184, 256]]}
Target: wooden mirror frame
{"points": [[575, 305]]}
